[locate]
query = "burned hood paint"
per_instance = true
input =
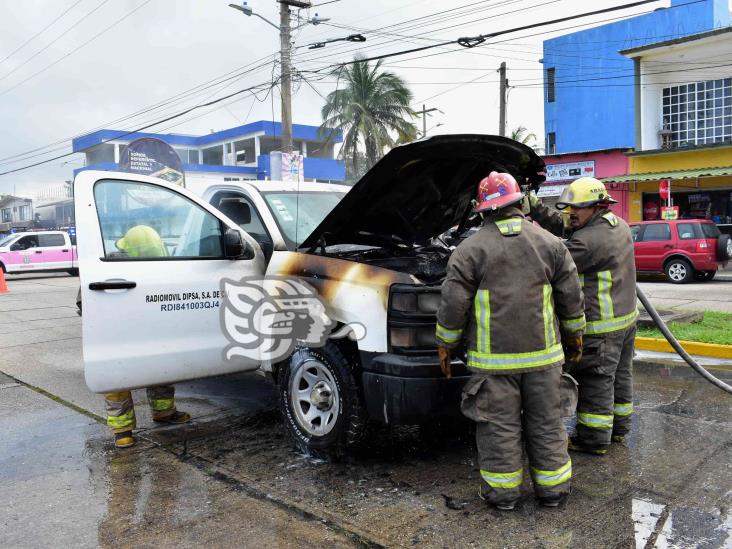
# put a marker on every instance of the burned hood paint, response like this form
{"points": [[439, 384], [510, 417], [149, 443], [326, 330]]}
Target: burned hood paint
{"points": [[420, 190]]}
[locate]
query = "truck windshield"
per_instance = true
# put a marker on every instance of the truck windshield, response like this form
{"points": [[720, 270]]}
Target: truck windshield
{"points": [[298, 214]]}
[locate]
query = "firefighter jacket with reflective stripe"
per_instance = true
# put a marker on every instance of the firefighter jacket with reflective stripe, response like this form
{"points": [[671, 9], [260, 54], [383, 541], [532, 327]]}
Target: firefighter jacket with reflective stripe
{"points": [[603, 253], [511, 290]]}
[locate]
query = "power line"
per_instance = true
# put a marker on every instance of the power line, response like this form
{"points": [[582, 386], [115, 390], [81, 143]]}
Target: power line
{"points": [[177, 115], [118, 21], [44, 29], [59, 37]]}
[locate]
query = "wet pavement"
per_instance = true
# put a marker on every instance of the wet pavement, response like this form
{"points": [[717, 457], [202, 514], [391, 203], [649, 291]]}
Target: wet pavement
{"points": [[231, 478]]}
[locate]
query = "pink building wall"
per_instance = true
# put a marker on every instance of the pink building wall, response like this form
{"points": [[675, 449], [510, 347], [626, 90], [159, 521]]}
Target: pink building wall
{"points": [[607, 164]]}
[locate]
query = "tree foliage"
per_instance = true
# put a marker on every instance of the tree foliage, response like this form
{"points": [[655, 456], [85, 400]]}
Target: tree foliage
{"points": [[371, 109]]}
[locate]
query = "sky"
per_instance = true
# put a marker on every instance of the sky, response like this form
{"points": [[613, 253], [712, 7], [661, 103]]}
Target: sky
{"points": [[71, 66]]}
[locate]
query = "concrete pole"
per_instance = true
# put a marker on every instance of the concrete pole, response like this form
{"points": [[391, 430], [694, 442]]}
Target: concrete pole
{"points": [[424, 120], [502, 113], [286, 83]]}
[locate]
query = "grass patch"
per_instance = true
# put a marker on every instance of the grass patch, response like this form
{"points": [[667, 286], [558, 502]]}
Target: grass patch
{"points": [[716, 327]]}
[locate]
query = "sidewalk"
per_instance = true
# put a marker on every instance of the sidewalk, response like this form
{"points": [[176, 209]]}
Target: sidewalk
{"points": [[721, 367]]}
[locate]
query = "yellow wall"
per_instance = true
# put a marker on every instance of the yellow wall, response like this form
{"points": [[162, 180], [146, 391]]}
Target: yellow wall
{"points": [[672, 161], [681, 160]]}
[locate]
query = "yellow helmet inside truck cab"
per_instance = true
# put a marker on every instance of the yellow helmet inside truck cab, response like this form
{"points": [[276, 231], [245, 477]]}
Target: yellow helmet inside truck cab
{"points": [[583, 193], [142, 241]]}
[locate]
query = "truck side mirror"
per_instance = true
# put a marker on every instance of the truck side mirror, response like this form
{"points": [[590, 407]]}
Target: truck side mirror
{"points": [[235, 247]]}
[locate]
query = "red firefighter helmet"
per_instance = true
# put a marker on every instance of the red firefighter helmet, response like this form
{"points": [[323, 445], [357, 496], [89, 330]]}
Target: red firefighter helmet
{"points": [[497, 191]]}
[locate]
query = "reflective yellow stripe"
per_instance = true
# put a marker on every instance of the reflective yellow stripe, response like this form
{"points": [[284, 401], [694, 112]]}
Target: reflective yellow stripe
{"points": [[508, 361], [161, 404], [552, 478], [582, 280], [574, 324], [502, 480], [624, 409], [509, 227], [610, 217], [604, 296], [595, 421], [447, 335], [122, 420], [549, 336], [483, 321], [612, 324]]}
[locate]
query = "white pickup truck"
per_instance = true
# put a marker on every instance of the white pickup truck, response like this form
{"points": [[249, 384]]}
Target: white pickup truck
{"points": [[369, 253], [38, 251]]}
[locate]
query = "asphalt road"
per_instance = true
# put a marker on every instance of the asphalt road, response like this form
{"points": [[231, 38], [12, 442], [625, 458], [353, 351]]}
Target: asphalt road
{"points": [[715, 295], [231, 478]]}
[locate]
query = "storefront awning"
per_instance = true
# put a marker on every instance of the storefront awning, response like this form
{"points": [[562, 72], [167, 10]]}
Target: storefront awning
{"points": [[674, 175]]}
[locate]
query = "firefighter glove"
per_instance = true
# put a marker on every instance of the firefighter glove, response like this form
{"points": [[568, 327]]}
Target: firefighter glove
{"points": [[572, 344], [443, 353], [534, 201]]}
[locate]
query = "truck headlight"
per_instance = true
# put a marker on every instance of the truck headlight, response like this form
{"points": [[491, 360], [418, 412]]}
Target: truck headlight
{"points": [[413, 337]]}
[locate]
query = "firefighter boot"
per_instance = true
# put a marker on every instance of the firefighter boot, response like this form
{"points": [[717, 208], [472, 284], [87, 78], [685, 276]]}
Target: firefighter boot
{"points": [[176, 418], [574, 445], [124, 439]]}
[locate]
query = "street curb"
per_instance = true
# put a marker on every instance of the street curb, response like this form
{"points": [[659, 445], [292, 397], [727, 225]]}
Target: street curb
{"points": [[691, 347], [667, 364]]}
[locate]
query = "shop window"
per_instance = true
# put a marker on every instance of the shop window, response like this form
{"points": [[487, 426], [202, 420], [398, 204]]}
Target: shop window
{"points": [[551, 143], [100, 154], [213, 155], [550, 85], [657, 231], [244, 152]]}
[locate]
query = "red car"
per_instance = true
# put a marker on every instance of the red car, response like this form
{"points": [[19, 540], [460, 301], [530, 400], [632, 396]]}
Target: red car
{"points": [[682, 249]]}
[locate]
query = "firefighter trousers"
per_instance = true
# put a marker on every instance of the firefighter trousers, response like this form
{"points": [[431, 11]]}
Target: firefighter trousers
{"points": [[496, 402], [605, 378], [121, 409]]}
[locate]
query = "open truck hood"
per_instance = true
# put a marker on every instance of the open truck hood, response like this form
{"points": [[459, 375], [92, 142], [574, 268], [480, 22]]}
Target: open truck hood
{"points": [[420, 190]]}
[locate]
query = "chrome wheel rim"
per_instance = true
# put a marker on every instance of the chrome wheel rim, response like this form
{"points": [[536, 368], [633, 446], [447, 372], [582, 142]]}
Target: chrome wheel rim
{"points": [[314, 398], [729, 247], [677, 271]]}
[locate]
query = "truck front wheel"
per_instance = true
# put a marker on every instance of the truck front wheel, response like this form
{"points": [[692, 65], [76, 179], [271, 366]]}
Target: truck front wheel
{"points": [[320, 401]]}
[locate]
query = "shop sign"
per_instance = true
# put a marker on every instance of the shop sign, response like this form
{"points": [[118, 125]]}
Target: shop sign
{"points": [[570, 170], [650, 210], [664, 188], [153, 157], [550, 190], [670, 212]]}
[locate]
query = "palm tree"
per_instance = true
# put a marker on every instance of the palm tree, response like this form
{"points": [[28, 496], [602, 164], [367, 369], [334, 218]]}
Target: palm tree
{"points": [[522, 135], [372, 112]]}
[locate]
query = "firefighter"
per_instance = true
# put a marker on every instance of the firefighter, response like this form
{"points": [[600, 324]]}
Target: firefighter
{"points": [[602, 248], [140, 241], [512, 292]]}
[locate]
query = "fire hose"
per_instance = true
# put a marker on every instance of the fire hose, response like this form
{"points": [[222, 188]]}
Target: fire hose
{"points": [[677, 346]]}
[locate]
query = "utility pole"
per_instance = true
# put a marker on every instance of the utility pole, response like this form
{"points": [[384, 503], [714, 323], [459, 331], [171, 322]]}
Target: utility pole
{"points": [[425, 111], [502, 113], [286, 81]]}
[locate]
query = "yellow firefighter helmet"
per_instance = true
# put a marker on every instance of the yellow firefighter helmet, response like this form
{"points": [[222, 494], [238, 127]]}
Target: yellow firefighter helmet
{"points": [[583, 193], [142, 241]]}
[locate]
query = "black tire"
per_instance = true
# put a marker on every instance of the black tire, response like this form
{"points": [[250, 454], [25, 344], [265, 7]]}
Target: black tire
{"points": [[704, 276], [331, 373], [724, 247], [678, 271]]}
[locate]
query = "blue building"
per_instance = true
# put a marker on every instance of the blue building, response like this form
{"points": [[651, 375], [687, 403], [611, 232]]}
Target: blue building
{"points": [[235, 154], [590, 90]]}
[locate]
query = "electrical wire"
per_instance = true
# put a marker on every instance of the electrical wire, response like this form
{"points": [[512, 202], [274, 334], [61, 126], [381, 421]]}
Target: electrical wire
{"points": [[118, 21], [59, 37], [158, 122], [44, 29]]}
